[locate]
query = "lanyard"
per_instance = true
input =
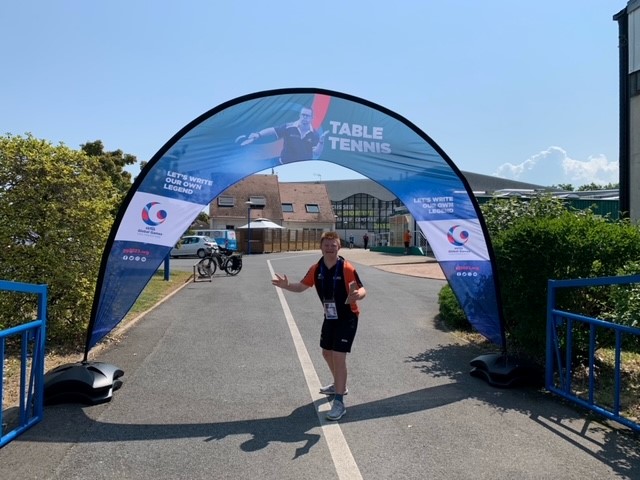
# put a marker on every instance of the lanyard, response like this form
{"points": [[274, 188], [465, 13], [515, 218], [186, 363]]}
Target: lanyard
{"points": [[335, 276]]}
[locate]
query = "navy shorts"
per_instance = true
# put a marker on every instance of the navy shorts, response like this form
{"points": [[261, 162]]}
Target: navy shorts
{"points": [[338, 335]]}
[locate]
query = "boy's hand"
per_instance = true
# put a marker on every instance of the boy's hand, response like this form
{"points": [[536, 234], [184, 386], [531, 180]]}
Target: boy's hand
{"points": [[280, 281]]}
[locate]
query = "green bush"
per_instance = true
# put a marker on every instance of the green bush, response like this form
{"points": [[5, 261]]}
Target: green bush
{"points": [[450, 311], [501, 213], [625, 307], [540, 239], [570, 245], [55, 216]]}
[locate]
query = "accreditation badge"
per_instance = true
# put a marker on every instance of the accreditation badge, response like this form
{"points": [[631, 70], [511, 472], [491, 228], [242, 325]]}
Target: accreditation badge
{"points": [[330, 310]]}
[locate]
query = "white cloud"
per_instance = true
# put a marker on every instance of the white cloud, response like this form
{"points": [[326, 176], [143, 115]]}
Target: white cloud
{"points": [[554, 166]]}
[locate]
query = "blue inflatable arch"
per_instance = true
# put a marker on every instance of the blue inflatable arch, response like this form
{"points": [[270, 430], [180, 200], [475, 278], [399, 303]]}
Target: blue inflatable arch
{"points": [[260, 131]]}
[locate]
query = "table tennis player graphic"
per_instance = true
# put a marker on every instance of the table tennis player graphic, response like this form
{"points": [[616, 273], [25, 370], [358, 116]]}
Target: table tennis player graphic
{"points": [[300, 141]]}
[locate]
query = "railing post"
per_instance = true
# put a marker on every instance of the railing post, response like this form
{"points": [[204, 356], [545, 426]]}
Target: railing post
{"points": [[31, 397], [591, 401]]}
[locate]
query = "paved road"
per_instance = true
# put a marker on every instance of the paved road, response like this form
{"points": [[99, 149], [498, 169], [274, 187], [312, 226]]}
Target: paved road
{"points": [[221, 382]]}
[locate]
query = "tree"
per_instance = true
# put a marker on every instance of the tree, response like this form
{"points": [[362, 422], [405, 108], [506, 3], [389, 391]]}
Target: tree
{"points": [[202, 218], [112, 164], [587, 187], [564, 186], [597, 186], [55, 217]]}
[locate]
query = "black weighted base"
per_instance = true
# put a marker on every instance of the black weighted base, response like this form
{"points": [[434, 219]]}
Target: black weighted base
{"points": [[503, 371], [89, 383]]}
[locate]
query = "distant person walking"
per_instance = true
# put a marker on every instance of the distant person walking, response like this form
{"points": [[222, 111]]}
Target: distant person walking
{"points": [[339, 288], [407, 241], [351, 240], [365, 240]]}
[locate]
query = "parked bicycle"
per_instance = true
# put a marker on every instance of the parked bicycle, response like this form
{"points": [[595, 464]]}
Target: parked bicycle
{"points": [[226, 260]]}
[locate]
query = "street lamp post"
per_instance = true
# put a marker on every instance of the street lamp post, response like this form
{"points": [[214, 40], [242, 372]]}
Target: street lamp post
{"points": [[345, 222], [249, 204]]}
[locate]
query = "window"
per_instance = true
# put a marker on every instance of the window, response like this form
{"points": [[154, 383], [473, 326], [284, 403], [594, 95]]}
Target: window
{"points": [[364, 212], [287, 207], [312, 208], [258, 201], [226, 201]]}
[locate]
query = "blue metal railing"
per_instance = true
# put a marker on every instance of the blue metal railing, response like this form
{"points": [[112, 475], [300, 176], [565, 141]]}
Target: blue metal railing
{"points": [[32, 340], [556, 319]]}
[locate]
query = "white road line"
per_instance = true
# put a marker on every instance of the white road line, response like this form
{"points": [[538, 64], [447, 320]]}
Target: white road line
{"points": [[314, 254], [343, 460]]}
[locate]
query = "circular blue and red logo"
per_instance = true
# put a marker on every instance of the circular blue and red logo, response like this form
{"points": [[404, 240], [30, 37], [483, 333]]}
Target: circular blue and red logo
{"points": [[153, 216], [457, 236]]}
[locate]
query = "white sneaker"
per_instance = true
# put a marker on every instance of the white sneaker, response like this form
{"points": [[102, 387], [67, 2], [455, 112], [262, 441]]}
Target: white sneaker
{"points": [[331, 390], [337, 411]]}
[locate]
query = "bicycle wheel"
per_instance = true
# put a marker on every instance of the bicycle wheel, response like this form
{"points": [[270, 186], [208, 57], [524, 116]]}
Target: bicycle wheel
{"points": [[233, 265], [206, 267]]}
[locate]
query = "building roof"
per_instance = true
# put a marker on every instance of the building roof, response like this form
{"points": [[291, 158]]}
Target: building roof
{"points": [[301, 194], [340, 189], [489, 183], [323, 193], [265, 186]]}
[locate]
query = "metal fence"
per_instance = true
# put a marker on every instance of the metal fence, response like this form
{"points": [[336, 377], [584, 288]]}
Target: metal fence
{"points": [[27, 343], [279, 240], [562, 327]]}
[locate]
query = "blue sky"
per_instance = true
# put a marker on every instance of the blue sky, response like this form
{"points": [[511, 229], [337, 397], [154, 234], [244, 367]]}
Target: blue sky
{"points": [[526, 90]]}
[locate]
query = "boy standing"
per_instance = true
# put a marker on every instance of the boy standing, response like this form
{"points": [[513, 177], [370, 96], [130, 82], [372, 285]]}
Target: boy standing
{"points": [[339, 288]]}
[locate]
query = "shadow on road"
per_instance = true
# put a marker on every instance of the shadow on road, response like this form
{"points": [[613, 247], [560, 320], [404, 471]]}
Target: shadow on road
{"points": [[616, 448]]}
